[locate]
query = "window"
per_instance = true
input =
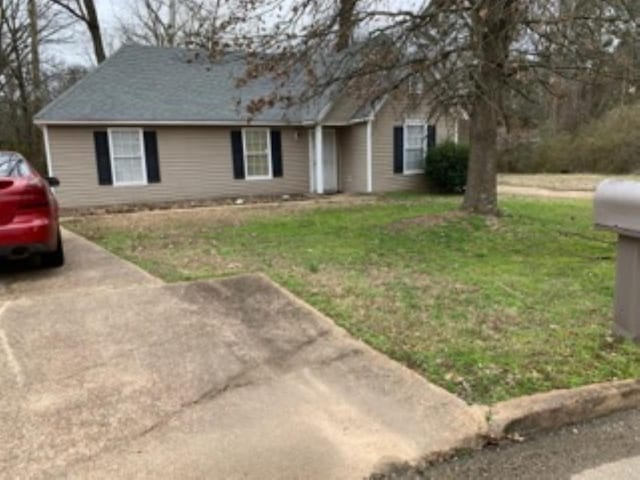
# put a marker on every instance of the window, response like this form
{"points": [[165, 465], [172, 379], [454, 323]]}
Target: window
{"points": [[127, 157], [12, 165], [257, 153], [414, 146]]}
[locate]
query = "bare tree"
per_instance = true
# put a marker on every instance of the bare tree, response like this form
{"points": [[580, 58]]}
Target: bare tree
{"points": [[24, 28], [470, 55], [493, 29], [35, 53], [346, 24], [85, 12], [152, 22], [4, 56], [188, 23], [173, 20], [61, 77], [590, 93], [17, 87]]}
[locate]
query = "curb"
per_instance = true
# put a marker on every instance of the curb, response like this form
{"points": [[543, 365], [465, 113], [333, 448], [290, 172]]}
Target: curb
{"points": [[510, 419], [560, 407]]}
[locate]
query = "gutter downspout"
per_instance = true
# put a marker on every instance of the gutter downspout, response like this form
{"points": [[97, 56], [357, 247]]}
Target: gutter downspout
{"points": [[47, 150]]}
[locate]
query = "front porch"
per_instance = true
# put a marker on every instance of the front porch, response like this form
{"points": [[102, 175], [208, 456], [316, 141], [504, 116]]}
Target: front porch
{"points": [[345, 159]]}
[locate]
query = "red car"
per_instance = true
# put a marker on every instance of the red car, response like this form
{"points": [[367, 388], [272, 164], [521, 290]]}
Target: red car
{"points": [[28, 213]]}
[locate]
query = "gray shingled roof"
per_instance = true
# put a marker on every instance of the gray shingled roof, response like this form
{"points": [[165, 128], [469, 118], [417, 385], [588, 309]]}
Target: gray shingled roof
{"points": [[140, 83]]}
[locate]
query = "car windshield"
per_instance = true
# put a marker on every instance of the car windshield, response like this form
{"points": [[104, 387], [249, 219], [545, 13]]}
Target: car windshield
{"points": [[12, 165]]}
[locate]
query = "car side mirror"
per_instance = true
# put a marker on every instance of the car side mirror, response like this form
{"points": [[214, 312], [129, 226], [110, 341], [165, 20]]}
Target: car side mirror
{"points": [[53, 181]]}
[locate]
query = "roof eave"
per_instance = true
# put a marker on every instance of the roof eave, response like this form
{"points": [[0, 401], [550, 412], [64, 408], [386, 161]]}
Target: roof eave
{"points": [[44, 121]]}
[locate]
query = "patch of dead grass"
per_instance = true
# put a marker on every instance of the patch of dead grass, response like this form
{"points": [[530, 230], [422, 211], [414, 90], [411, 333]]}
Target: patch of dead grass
{"points": [[225, 213], [427, 221]]}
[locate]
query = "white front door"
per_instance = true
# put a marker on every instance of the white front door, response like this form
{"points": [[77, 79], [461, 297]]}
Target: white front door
{"points": [[330, 160]]}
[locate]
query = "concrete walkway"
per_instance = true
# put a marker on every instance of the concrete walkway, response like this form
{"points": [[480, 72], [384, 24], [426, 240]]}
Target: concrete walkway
{"points": [[106, 372]]}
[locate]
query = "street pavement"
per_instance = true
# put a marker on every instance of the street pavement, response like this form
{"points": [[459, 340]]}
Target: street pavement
{"points": [[603, 449]]}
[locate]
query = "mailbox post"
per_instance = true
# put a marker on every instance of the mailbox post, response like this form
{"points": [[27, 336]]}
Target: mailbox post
{"points": [[617, 208]]}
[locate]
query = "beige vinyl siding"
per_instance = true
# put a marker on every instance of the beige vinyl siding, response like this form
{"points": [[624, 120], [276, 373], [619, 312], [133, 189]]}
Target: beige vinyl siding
{"points": [[195, 163], [392, 114], [352, 155]]}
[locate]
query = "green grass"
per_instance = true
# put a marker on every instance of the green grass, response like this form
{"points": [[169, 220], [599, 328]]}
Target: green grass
{"points": [[487, 309]]}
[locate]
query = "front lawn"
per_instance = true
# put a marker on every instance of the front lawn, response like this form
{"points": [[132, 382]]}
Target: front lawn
{"points": [[486, 309]]}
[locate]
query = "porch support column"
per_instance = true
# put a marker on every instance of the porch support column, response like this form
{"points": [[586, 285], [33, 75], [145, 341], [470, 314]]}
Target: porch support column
{"points": [[370, 155], [319, 160]]}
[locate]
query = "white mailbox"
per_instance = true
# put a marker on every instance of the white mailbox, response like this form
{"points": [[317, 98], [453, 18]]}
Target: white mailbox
{"points": [[617, 208]]}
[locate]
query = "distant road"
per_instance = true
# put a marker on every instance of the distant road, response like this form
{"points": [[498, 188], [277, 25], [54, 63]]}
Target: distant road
{"points": [[542, 192], [554, 185]]}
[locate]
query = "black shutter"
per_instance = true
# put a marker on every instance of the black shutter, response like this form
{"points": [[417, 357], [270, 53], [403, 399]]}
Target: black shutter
{"points": [[237, 154], [276, 153], [151, 156], [103, 160], [431, 136], [398, 149]]}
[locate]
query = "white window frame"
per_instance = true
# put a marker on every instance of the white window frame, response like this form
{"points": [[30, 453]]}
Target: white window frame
{"points": [[244, 154], [143, 159], [413, 122]]}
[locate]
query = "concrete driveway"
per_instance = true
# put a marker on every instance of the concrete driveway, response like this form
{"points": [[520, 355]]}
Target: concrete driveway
{"points": [[106, 372], [88, 267]]}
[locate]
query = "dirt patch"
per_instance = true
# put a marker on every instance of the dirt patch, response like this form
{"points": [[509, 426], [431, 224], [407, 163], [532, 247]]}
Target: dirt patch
{"points": [[172, 220], [184, 204], [202, 218], [238, 203], [426, 221]]}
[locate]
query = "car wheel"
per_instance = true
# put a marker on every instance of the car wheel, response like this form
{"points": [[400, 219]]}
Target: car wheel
{"points": [[54, 259]]}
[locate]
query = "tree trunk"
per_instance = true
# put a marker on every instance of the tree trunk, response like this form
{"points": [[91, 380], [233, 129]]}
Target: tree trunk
{"points": [[494, 22], [481, 195], [36, 76], [94, 30], [173, 20], [345, 24]]}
